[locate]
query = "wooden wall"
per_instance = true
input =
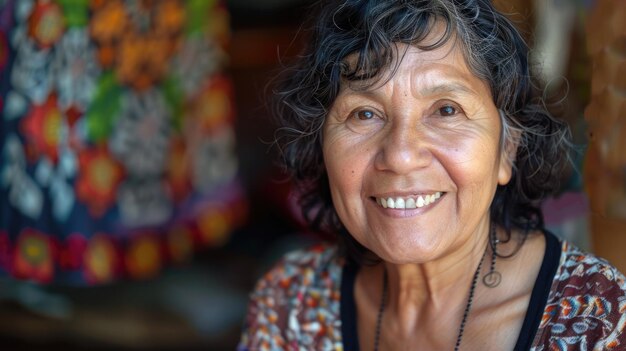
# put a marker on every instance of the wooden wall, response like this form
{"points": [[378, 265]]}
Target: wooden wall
{"points": [[605, 164]]}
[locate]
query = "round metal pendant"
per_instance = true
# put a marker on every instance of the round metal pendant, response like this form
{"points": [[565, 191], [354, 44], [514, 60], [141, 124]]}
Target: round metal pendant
{"points": [[492, 279]]}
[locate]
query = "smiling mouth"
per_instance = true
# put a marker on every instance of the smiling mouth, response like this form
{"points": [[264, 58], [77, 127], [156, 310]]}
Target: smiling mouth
{"points": [[408, 202]]}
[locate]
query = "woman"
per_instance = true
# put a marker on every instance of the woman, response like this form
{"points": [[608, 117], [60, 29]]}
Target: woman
{"points": [[416, 128]]}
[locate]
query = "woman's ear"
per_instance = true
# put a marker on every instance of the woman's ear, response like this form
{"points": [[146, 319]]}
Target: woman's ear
{"points": [[510, 139]]}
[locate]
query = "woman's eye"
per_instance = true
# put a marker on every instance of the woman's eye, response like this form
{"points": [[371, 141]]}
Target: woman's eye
{"points": [[365, 120], [365, 115], [447, 110]]}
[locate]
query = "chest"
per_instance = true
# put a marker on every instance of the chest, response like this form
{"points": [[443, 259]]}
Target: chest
{"points": [[495, 328]]}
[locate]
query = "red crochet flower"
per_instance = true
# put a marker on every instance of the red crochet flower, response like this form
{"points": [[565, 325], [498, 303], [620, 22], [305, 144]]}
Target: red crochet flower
{"points": [[42, 127], [6, 252], [71, 254], [99, 177], [33, 256], [4, 50], [178, 170], [46, 23]]}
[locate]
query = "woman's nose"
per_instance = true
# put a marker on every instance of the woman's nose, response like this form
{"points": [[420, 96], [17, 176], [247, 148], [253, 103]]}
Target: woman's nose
{"points": [[403, 149]]}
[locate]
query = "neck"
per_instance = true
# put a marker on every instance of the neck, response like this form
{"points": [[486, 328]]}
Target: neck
{"points": [[433, 290]]}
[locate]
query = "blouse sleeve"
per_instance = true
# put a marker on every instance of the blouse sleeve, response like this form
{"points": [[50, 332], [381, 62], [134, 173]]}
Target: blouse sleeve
{"points": [[266, 321], [295, 306], [586, 308]]}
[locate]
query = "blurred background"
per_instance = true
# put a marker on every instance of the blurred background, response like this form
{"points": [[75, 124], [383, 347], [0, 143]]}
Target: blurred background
{"points": [[139, 193]]}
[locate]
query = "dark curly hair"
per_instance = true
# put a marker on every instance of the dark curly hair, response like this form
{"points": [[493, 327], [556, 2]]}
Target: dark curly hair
{"points": [[493, 49]]}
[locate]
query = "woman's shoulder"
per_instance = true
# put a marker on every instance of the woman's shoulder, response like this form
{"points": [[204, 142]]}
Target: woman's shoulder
{"points": [[296, 303], [582, 272], [586, 307], [315, 265]]}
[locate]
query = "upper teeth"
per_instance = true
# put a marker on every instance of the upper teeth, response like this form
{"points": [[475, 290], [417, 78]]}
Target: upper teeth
{"points": [[408, 202]]}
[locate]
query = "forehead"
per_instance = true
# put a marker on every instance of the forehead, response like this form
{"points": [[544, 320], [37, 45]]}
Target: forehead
{"points": [[424, 66], [440, 70]]}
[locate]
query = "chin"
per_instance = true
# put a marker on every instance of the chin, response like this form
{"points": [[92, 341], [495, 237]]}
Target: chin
{"points": [[407, 254]]}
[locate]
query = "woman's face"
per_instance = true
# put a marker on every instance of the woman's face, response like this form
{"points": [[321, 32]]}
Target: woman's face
{"points": [[413, 162]]}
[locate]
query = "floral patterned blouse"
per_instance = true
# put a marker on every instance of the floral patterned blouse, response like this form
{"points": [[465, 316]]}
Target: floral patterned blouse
{"points": [[306, 303], [116, 137]]}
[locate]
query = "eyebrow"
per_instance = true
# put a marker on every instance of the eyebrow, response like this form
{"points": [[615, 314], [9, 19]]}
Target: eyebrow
{"points": [[448, 87]]}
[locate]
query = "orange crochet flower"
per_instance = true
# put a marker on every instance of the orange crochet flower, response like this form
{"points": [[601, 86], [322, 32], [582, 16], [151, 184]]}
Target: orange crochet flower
{"points": [[212, 108], [101, 259], [139, 50], [144, 257], [108, 25], [214, 225]]}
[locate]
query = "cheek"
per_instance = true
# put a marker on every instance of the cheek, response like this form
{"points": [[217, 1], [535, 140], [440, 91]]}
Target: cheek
{"points": [[343, 174], [346, 166], [471, 162], [345, 189], [345, 163]]}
